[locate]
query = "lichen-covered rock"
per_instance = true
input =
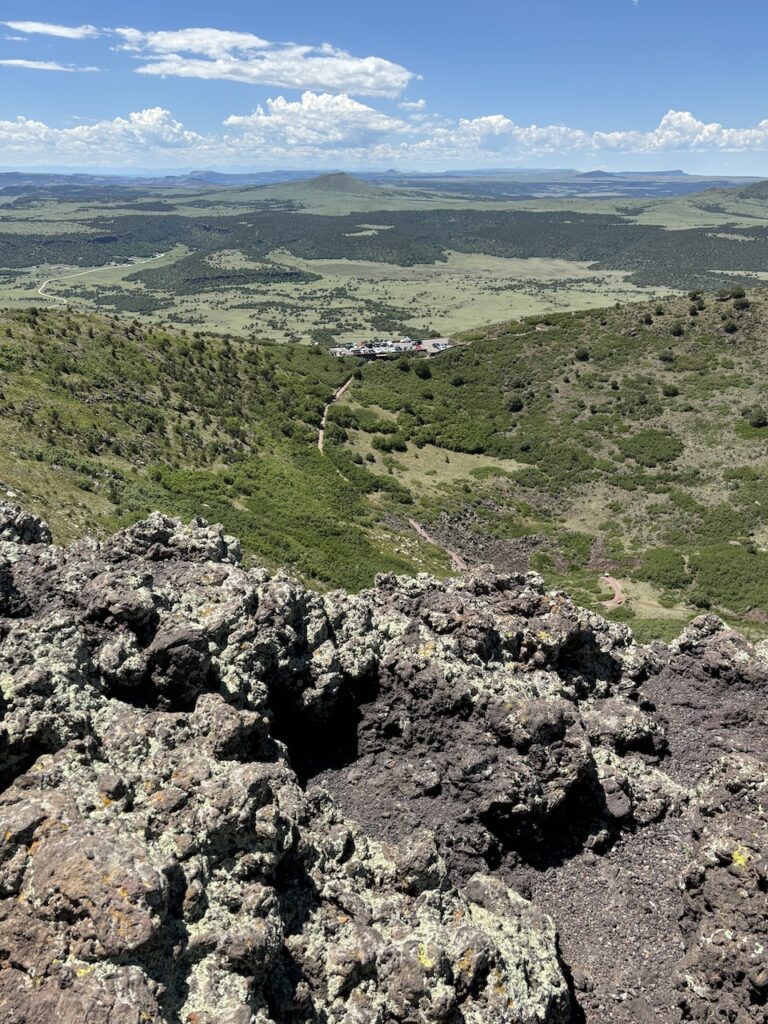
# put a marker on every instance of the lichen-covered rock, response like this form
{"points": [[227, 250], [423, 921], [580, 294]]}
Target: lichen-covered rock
{"points": [[227, 799], [725, 921]]}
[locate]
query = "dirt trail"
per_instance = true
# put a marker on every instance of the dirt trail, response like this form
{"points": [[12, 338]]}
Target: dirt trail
{"points": [[93, 270], [618, 598], [323, 422], [456, 560]]}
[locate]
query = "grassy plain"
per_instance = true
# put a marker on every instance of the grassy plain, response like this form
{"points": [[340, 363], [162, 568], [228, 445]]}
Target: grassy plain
{"points": [[383, 287], [449, 297]]}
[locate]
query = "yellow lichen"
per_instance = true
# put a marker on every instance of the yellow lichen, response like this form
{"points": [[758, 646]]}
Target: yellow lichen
{"points": [[425, 960], [465, 962], [427, 649], [740, 857]]}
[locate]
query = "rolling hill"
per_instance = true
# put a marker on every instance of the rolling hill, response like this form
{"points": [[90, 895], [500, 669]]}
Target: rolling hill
{"points": [[631, 440]]}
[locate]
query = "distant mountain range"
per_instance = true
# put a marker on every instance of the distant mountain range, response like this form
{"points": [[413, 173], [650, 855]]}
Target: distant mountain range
{"points": [[23, 179], [484, 186]]}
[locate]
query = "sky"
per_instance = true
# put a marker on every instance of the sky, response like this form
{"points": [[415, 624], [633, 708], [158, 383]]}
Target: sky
{"points": [[416, 85]]}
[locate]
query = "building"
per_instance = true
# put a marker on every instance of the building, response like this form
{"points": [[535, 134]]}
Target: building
{"points": [[391, 349]]}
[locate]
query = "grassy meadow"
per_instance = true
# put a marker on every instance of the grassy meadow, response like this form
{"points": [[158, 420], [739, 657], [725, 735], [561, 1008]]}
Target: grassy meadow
{"points": [[334, 259]]}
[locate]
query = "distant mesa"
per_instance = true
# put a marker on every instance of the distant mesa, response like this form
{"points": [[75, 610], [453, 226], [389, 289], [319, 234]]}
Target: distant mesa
{"points": [[632, 174]]}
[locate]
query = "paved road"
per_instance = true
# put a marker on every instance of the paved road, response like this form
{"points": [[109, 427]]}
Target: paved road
{"points": [[323, 422], [93, 270]]}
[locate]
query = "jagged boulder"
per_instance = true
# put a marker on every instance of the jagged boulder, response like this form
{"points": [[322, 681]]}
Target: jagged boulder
{"points": [[227, 799]]}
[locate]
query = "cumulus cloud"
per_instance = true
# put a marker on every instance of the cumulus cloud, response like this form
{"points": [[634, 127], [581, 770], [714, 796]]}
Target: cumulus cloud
{"points": [[680, 130], [43, 65], [241, 57], [316, 120], [119, 142], [211, 53], [327, 129], [44, 28]]}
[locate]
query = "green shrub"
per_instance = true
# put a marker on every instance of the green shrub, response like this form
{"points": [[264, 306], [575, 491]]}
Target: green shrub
{"points": [[664, 568], [652, 447]]}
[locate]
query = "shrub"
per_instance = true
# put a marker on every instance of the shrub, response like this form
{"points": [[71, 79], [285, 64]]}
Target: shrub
{"points": [[664, 568], [652, 447]]}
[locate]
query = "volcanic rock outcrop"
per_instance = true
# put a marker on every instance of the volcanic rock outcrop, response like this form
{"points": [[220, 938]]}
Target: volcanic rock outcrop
{"points": [[227, 799]]}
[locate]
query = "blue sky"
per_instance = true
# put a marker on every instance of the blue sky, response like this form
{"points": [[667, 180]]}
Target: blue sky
{"points": [[581, 83]]}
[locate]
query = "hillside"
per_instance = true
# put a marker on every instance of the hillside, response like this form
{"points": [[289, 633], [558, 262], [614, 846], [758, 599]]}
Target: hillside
{"points": [[106, 419], [629, 442], [634, 440], [338, 184], [758, 190], [229, 799]]}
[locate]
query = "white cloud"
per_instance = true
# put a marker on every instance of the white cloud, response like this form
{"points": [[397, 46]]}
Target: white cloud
{"points": [[241, 57], [316, 120], [43, 65], [210, 42], [210, 53], [45, 29], [324, 129], [680, 130], [120, 142], [413, 104]]}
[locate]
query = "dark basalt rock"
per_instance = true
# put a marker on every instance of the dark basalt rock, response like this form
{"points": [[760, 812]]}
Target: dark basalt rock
{"points": [[229, 800]]}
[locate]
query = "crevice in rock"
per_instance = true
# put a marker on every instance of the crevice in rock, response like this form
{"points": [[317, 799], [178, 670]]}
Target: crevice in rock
{"points": [[319, 739], [579, 821], [288, 990]]}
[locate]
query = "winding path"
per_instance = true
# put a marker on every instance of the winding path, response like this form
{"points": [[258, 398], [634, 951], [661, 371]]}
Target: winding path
{"points": [[93, 270], [323, 422], [618, 598], [457, 562]]}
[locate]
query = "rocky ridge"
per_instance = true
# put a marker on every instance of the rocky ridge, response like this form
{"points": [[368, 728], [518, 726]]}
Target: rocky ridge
{"points": [[227, 799]]}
